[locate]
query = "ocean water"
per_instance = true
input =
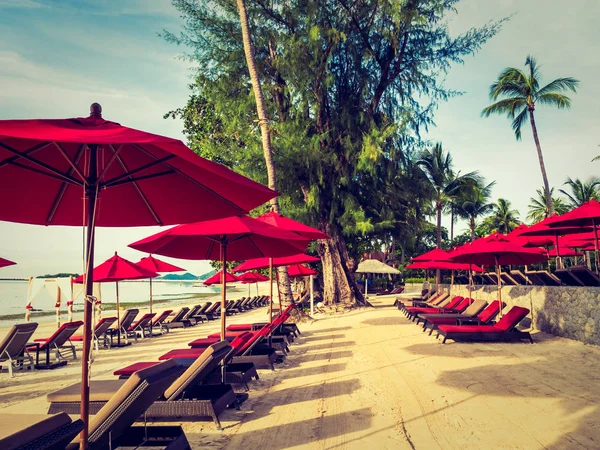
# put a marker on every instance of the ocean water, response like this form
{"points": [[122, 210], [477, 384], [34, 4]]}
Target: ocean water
{"points": [[13, 296]]}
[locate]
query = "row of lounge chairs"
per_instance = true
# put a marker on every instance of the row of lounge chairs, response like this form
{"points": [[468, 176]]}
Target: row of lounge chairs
{"points": [[573, 276], [19, 352], [464, 319]]}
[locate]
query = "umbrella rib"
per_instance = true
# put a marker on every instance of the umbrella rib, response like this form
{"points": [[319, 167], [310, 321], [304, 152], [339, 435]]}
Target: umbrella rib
{"points": [[111, 160], [73, 166], [49, 168], [197, 183], [117, 179], [254, 245], [141, 194], [210, 247], [63, 189], [49, 175], [26, 152], [135, 179]]}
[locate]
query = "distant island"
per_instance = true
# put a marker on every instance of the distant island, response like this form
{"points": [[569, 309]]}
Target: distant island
{"points": [[59, 275], [177, 277], [207, 275]]}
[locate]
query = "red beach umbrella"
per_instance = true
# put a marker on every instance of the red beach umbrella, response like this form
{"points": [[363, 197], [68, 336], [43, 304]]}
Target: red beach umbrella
{"points": [[237, 237], [444, 265], [218, 278], [117, 269], [125, 177], [437, 254], [497, 250], [6, 263], [252, 278], [554, 253], [263, 263], [298, 271]]}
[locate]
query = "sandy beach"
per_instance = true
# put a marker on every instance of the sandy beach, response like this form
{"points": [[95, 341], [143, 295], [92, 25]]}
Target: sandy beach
{"points": [[369, 378]]}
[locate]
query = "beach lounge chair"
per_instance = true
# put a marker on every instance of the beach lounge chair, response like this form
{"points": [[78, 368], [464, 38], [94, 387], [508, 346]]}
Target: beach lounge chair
{"points": [[476, 311], [13, 348], [542, 278], [587, 277], [37, 431], [520, 278], [568, 278], [200, 316], [99, 334], [126, 322], [284, 328], [446, 306], [503, 331], [213, 312], [183, 399], [141, 328], [494, 277], [416, 301], [191, 315], [178, 320], [235, 373], [458, 309], [117, 404], [461, 279], [159, 321], [507, 279], [435, 301], [59, 343]]}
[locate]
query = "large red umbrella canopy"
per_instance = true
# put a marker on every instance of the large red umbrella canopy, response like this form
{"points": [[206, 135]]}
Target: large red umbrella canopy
{"points": [[6, 263], [93, 172], [263, 263], [525, 241], [218, 278], [562, 251], [156, 265], [497, 249], [285, 223], [587, 214], [298, 270], [244, 237], [444, 265], [252, 277], [117, 269], [437, 254]]}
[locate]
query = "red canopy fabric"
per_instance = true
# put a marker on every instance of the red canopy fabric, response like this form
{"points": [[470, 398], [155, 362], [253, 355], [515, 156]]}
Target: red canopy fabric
{"points": [[497, 249], [156, 265], [587, 214], [436, 254], [285, 223], [263, 263], [563, 251], [298, 270], [144, 178], [252, 277], [6, 262], [117, 269], [444, 265], [245, 238], [217, 278]]}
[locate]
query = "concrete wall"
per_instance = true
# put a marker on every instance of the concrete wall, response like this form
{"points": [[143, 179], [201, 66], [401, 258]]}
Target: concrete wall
{"points": [[571, 312]]}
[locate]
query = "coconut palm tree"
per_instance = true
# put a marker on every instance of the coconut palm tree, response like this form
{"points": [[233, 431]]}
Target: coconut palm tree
{"points": [[581, 191], [520, 92], [503, 218], [538, 208], [474, 202], [437, 166]]}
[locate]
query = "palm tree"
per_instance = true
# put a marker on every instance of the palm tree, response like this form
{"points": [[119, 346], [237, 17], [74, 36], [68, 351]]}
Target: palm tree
{"points": [[474, 202], [538, 207], [437, 166], [520, 92], [503, 218], [581, 192]]}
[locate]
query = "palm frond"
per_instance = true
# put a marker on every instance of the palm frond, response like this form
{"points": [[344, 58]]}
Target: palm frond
{"points": [[534, 75], [560, 85], [555, 99], [506, 106], [519, 121]]}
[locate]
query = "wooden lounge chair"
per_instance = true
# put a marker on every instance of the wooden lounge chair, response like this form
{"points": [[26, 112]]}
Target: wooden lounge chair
{"points": [[111, 426], [415, 301], [438, 300], [542, 278], [449, 305], [159, 321], [507, 279], [588, 277], [461, 279], [479, 311], [283, 328], [181, 399], [494, 277], [13, 348], [568, 278], [126, 322], [178, 320], [200, 315], [213, 312], [235, 373], [191, 315], [141, 328], [503, 331], [99, 334], [59, 343], [458, 309], [520, 278], [37, 431]]}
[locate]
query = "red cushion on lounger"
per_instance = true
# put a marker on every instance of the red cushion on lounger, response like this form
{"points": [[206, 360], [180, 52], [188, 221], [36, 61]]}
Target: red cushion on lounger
{"points": [[512, 318], [240, 327], [423, 310], [231, 334], [469, 329], [185, 353], [490, 311], [129, 370], [203, 342]]}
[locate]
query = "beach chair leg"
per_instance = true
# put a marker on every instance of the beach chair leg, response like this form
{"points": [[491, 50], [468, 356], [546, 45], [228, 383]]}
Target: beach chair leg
{"points": [[216, 420], [431, 331], [444, 341]]}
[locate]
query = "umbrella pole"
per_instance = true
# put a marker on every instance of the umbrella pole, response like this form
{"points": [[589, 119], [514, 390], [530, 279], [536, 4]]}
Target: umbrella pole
{"points": [[558, 258], [90, 193], [223, 286], [499, 283], [279, 295], [118, 316], [470, 282], [271, 290], [249, 289], [312, 297], [366, 286], [595, 243], [151, 330]]}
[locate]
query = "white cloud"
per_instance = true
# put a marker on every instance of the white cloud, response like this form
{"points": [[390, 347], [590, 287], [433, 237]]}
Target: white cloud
{"points": [[22, 4]]}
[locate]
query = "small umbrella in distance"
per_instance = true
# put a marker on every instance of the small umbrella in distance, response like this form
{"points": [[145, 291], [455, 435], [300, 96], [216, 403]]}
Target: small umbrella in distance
{"points": [[218, 278], [117, 269], [156, 265], [6, 263], [252, 278], [126, 177], [297, 271]]}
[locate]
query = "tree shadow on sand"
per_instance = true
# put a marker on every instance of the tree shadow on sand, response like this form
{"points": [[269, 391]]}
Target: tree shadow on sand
{"points": [[387, 321]]}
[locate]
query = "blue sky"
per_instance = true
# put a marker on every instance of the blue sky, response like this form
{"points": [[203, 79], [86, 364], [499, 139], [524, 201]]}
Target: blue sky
{"points": [[57, 57]]}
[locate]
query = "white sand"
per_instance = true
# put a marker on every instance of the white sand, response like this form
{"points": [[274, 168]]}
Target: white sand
{"points": [[372, 379]]}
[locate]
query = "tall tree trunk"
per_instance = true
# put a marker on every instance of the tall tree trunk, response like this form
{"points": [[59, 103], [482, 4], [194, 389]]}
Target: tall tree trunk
{"points": [[542, 166], [472, 227], [438, 206], [265, 131], [451, 224]]}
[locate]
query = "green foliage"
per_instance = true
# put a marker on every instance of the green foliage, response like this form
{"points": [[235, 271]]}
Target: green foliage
{"points": [[414, 280], [503, 218], [538, 208], [581, 191], [349, 88], [473, 202]]}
